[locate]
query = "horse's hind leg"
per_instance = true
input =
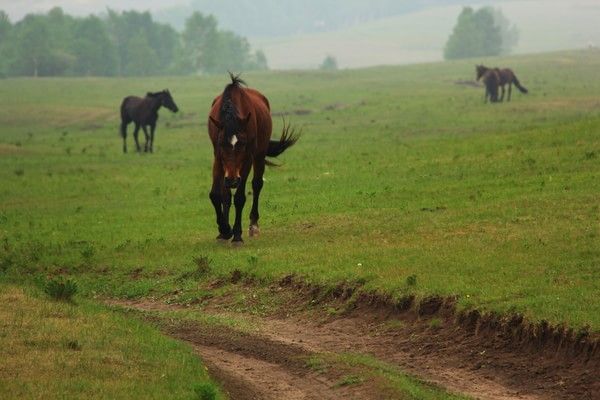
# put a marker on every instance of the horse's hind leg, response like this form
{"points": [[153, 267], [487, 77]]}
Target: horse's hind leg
{"points": [[509, 91], [124, 135], [257, 184], [502, 95], [135, 136]]}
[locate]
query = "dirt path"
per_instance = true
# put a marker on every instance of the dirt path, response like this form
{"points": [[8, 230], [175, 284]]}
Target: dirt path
{"points": [[268, 363]]}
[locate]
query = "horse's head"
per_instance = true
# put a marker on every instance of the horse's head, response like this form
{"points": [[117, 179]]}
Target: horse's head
{"points": [[481, 70], [166, 100], [232, 146]]}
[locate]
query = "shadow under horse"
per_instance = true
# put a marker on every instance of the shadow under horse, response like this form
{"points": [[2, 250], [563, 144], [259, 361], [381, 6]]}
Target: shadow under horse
{"points": [[495, 78], [143, 112], [239, 126]]}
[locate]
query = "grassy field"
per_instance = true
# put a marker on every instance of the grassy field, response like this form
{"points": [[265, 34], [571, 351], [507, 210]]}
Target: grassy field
{"points": [[400, 173], [58, 350]]}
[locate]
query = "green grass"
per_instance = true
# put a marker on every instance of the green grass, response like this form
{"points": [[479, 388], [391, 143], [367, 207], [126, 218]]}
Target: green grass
{"points": [[400, 173], [390, 380], [58, 350]]}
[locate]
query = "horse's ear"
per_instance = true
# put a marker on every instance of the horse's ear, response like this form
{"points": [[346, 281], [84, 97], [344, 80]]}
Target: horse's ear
{"points": [[246, 119], [215, 122]]}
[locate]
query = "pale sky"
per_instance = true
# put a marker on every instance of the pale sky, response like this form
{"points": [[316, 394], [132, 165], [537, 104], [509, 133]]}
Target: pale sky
{"points": [[16, 9]]}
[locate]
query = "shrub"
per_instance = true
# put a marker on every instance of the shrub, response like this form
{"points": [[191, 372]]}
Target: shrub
{"points": [[329, 64], [205, 391], [61, 289]]}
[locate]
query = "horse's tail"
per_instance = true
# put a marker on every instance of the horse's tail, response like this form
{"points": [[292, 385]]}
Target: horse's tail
{"points": [[124, 121], [288, 138], [521, 88]]}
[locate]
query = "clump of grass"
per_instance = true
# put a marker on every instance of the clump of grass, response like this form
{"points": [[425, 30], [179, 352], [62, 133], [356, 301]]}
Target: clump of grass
{"points": [[411, 280], [202, 268], [349, 380], [252, 261], [435, 323], [73, 345], [205, 391], [19, 172], [316, 364], [88, 252], [63, 290]]}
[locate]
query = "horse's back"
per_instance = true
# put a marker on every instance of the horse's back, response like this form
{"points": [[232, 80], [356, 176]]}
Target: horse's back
{"points": [[128, 105]]}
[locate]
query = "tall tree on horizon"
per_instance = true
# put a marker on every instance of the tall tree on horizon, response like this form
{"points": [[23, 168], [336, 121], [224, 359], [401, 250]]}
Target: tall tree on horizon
{"points": [[476, 34]]}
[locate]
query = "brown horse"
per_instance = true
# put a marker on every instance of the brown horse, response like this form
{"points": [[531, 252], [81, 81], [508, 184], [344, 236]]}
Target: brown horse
{"points": [[491, 80], [144, 113], [505, 77], [239, 126]]}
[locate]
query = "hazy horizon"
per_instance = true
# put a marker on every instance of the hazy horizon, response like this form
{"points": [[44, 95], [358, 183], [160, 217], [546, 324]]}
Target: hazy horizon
{"points": [[400, 32]]}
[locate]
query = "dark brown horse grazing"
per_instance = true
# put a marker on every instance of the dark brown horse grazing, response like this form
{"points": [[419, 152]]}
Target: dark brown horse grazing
{"points": [[491, 80], [239, 126], [505, 77], [144, 113]]}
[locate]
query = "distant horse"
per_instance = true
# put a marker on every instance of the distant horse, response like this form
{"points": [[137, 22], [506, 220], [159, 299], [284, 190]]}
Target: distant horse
{"points": [[491, 80], [144, 113], [505, 77], [239, 126]]}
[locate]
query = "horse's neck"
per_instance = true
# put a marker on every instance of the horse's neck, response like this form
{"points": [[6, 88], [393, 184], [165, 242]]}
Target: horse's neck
{"points": [[155, 104]]}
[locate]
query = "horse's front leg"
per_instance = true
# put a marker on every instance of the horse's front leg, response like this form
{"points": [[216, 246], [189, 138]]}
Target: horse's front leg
{"points": [[135, 136], [152, 129], [509, 91], [502, 95], [257, 184], [146, 145], [239, 200], [218, 202]]}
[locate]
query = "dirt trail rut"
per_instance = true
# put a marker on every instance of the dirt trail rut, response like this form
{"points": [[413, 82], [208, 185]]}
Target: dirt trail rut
{"points": [[270, 363]]}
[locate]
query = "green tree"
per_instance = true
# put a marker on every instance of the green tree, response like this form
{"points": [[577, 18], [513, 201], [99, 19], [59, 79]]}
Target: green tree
{"points": [[200, 44], [33, 46], [5, 32], [475, 34], [508, 32], [329, 63], [94, 52]]}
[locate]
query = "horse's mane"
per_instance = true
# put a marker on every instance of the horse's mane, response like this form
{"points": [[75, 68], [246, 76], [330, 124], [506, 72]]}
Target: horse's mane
{"points": [[228, 114]]}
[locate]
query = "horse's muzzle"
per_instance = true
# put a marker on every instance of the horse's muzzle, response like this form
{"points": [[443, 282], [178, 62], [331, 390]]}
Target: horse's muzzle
{"points": [[231, 183]]}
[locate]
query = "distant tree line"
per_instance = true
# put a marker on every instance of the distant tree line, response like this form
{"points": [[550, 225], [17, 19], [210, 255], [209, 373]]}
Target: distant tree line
{"points": [[119, 44], [485, 32]]}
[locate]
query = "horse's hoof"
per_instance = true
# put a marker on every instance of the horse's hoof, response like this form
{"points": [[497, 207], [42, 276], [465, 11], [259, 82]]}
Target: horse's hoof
{"points": [[224, 238], [253, 230]]}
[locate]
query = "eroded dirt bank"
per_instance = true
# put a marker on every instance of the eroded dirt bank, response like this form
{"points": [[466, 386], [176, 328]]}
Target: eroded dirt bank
{"points": [[269, 360]]}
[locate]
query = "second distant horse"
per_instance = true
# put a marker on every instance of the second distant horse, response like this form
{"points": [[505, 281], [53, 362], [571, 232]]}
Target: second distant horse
{"points": [[143, 112], [500, 78]]}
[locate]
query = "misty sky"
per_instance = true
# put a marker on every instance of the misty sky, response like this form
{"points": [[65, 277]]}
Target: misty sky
{"points": [[18, 8]]}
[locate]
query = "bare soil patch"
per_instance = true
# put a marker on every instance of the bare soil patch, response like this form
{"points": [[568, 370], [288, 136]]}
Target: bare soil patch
{"points": [[467, 353]]}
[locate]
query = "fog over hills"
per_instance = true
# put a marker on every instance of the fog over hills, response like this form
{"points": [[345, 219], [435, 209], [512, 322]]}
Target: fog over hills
{"points": [[299, 34]]}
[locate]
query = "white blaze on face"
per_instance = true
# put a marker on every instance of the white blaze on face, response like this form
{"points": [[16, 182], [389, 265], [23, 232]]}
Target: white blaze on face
{"points": [[233, 140]]}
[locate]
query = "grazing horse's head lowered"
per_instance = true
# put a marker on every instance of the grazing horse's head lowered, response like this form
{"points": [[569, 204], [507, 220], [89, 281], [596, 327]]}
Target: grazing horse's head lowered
{"points": [[233, 140], [481, 70], [495, 78], [166, 100]]}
